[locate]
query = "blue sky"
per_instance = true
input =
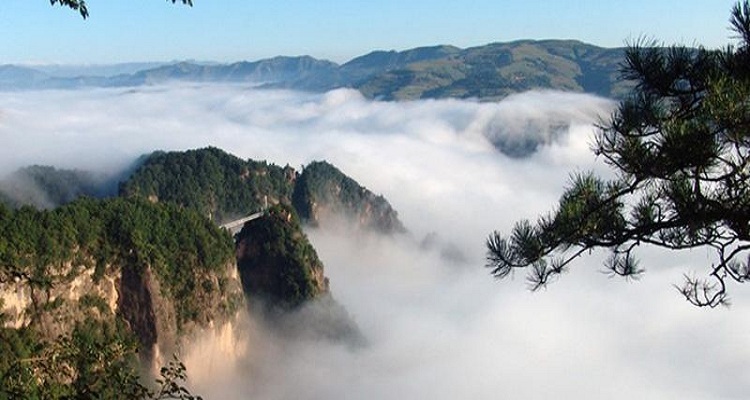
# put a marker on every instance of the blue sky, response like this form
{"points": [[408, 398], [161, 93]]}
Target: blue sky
{"points": [[31, 31]]}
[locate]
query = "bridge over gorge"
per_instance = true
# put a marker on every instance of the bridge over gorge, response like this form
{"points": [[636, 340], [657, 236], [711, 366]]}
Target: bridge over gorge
{"points": [[236, 225]]}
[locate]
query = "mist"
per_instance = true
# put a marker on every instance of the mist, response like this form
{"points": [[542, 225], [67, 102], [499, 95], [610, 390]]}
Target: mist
{"points": [[435, 325]]}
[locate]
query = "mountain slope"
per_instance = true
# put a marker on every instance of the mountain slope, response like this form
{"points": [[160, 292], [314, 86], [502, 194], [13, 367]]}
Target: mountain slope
{"points": [[496, 70], [276, 262], [211, 181], [224, 186], [323, 193], [273, 70], [488, 72], [14, 77]]}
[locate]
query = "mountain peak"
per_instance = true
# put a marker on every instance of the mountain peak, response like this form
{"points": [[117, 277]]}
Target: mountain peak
{"points": [[487, 72]]}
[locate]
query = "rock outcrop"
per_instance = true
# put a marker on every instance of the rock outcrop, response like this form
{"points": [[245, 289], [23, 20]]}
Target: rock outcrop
{"points": [[224, 187], [277, 264], [323, 194], [89, 284], [158, 271]]}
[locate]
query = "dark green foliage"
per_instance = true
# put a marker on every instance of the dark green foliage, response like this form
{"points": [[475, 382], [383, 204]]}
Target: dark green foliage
{"points": [[221, 185], [211, 181], [321, 185], [276, 261], [97, 360], [681, 147], [16, 345], [170, 383], [178, 244], [80, 5]]}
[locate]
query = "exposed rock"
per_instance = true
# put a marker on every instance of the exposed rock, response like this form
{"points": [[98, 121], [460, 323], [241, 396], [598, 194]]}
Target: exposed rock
{"points": [[277, 264], [158, 271], [148, 314], [226, 187], [323, 194], [74, 295], [134, 296]]}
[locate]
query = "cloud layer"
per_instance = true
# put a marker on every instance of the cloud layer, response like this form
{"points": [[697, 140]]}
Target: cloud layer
{"points": [[437, 326]]}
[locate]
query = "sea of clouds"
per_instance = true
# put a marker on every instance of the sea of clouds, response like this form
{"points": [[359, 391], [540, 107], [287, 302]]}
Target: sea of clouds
{"points": [[436, 324]]}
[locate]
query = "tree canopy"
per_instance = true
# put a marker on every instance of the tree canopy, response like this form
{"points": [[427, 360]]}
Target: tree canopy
{"points": [[210, 181], [82, 8], [277, 263], [321, 185], [98, 356], [679, 145]]}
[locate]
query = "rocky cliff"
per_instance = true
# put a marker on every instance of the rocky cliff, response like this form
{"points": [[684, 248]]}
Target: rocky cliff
{"points": [[124, 270], [323, 193], [224, 186], [87, 287], [277, 264]]}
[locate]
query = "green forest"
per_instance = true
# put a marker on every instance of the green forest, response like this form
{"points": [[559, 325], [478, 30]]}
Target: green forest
{"points": [[41, 249], [321, 185], [225, 187], [211, 181], [160, 244], [277, 263]]}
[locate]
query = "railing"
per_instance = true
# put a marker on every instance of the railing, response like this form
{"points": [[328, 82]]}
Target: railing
{"points": [[236, 225]]}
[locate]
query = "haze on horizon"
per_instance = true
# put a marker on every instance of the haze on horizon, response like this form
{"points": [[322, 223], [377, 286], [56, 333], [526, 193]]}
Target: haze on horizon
{"points": [[33, 32]]}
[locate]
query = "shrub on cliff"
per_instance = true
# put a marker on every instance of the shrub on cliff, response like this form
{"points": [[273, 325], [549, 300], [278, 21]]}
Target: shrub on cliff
{"points": [[276, 261]]}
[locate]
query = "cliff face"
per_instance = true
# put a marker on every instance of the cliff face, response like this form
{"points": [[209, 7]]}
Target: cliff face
{"points": [[158, 272], [135, 298], [74, 292], [323, 193], [148, 313], [277, 264], [224, 186], [88, 286]]}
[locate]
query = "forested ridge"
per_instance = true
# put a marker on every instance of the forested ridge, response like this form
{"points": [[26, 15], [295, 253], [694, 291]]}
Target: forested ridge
{"points": [[211, 181], [323, 188], [105, 280], [224, 187], [276, 261], [67, 346]]}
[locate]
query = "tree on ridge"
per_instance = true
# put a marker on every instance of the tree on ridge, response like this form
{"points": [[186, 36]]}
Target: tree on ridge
{"points": [[680, 144]]}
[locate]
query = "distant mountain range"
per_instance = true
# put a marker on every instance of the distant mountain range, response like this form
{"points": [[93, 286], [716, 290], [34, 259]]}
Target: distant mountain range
{"points": [[486, 72]]}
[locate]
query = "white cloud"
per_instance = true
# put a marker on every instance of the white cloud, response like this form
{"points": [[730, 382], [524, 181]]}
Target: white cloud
{"points": [[437, 327]]}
